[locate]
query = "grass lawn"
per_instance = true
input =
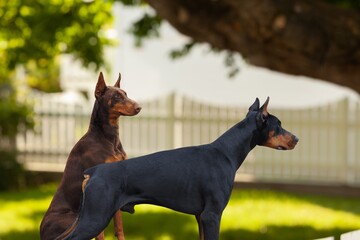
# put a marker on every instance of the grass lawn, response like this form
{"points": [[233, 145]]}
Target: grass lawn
{"points": [[250, 215]]}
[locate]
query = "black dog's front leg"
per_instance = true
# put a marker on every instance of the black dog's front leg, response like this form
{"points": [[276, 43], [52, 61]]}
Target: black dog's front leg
{"points": [[209, 225]]}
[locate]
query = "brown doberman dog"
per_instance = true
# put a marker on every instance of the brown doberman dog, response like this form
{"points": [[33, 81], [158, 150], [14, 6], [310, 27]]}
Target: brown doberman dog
{"points": [[101, 144]]}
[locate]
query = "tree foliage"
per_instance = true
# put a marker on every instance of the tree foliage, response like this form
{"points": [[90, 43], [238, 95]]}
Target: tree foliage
{"points": [[33, 34], [40, 30]]}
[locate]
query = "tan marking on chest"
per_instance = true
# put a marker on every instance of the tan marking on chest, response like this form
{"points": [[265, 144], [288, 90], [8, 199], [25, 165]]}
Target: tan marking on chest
{"points": [[86, 179], [116, 157]]}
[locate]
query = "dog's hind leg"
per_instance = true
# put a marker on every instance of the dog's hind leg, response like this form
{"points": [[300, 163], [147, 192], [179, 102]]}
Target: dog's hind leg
{"points": [[96, 211], [101, 236], [201, 229], [209, 225]]}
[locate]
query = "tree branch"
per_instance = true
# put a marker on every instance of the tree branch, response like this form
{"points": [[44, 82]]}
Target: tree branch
{"points": [[307, 37]]}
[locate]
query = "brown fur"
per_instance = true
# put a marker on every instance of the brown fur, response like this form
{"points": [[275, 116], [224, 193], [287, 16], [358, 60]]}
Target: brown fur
{"points": [[100, 144], [284, 140]]}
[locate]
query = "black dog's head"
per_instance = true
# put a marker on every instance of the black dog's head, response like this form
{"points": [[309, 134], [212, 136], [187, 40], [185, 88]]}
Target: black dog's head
{"points": [[115, 100], [271, 134]]}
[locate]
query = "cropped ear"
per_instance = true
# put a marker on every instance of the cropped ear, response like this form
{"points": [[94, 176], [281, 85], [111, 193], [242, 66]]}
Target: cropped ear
{"points": [[264, 111], [100, 86], [117, 84], [255, 105]]}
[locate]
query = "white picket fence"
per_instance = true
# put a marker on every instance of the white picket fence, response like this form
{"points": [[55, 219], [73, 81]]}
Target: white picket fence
{"points": [[328, 151]]}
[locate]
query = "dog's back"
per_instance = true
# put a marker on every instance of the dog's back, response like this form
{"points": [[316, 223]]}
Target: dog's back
{"points": [[149, 177]]}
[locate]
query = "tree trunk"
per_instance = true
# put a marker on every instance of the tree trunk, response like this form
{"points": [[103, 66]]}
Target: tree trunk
{"points": [[299, 37]]}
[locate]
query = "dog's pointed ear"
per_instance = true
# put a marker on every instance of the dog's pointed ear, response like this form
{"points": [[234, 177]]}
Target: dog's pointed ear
{"points": [[117, 84], [264, 111], [255, 106], [100, 86]]}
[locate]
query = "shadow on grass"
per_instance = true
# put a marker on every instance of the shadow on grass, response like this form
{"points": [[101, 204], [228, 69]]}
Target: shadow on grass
{"points": [[153, 225], [33, 194], [351, 205]]}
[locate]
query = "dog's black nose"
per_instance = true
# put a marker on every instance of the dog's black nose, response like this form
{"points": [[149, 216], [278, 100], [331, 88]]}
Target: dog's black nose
{"points": [[296, 139], [138, 109]]}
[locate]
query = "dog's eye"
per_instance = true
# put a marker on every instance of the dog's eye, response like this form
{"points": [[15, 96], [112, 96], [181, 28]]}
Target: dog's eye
{"points": [[119, 96]]}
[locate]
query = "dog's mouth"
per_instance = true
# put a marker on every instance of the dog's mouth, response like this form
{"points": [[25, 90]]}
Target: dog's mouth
{"points": [[134, 112], [127, 111], [290, 145]]}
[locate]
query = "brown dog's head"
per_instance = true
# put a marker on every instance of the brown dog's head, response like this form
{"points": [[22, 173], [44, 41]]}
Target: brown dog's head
{"points": [[271, 132], [115, 100]]}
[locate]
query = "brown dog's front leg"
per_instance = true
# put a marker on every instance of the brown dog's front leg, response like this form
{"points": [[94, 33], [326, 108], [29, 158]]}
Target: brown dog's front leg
{"points": [[101, 236], [118, 223]]}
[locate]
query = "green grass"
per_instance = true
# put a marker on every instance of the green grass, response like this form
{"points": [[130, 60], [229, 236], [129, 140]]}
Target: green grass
{"points": [[250, 215]]}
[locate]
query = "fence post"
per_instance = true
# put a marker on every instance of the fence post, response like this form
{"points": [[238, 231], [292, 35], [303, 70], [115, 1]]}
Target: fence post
{"points": [[178, 120], [170, 126], [343, 139], [352, 146]]}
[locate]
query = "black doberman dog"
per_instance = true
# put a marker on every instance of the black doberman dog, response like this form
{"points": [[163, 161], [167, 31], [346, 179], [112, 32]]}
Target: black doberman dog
{"points": [[194, 180], [101, 144]]}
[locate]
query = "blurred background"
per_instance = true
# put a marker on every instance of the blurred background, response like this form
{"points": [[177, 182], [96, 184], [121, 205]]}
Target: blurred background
{"points": [[192, 87]]}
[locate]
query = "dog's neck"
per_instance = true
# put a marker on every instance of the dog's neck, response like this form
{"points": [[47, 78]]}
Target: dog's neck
{"points": [[100, 124], [238, 141]]}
